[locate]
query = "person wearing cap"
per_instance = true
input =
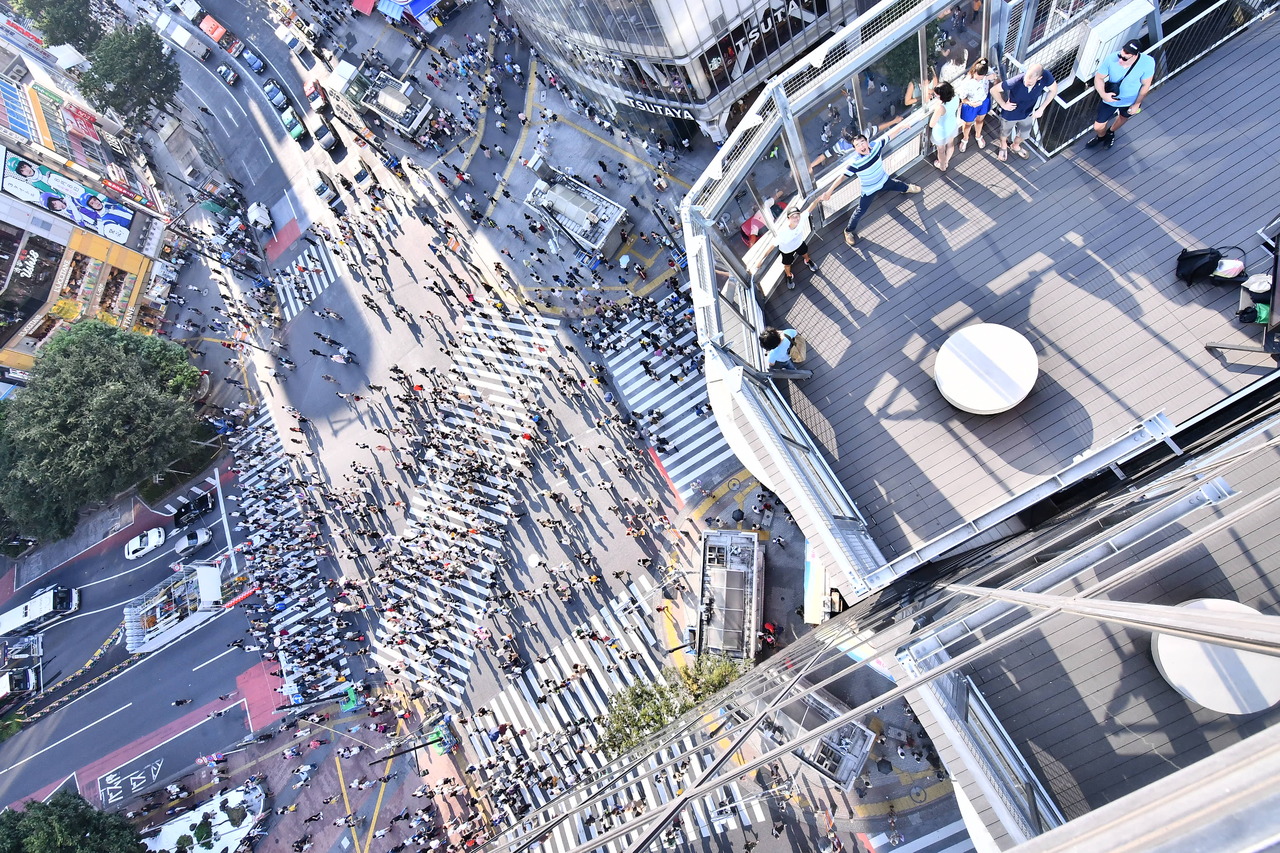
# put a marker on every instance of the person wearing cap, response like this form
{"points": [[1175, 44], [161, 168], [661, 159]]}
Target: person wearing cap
{"points": [[791, 232], [1122, 81]]}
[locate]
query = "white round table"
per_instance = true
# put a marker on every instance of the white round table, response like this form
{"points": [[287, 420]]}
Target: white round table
{"points": [[986, 369], [1223, 679]]}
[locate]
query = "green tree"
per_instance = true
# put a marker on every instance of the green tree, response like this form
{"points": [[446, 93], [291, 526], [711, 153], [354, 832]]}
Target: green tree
{"points": [[640, 709], [63, 22], [66, 823], [104, 409], [130, 73]]}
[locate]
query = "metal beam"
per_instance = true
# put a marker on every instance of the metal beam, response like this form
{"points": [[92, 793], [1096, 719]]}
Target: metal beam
{"points": [[1248, 632]]}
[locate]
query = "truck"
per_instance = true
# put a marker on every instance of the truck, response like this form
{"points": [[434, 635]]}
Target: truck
{"points": [[169, 27], [188, 9], [224, 37]]}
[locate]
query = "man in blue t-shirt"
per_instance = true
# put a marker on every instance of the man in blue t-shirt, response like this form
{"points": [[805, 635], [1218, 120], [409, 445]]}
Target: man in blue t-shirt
{"points": [[1022, 101], [867, 164], [1122, 81]]}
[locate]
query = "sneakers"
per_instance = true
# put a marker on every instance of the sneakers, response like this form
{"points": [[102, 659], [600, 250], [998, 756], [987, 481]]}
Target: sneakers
{"points": [[1111, 138], [851, 238], [1097, 140], [912, 189], [791, 282], [811, 265]]}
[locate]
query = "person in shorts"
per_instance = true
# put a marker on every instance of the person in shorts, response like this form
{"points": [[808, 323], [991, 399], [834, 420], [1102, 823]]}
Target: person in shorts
{"points": [[1018, 98], [975, 102], [1122, 81], [791, 232]]}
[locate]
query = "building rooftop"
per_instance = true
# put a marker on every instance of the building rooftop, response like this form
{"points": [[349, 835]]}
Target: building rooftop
{"points": [[398, 101], [1078, 255], [585, 215], [730, 604]]}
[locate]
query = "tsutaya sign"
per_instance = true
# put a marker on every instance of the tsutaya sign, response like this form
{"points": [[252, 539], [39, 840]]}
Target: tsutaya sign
{"points": [[764, 31], [659, 109]]}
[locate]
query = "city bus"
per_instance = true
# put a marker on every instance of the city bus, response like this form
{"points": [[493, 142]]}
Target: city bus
{"points": [[48, 604]]}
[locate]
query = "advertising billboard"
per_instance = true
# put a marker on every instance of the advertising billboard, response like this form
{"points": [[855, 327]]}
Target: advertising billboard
{"points": [[56, 193]]}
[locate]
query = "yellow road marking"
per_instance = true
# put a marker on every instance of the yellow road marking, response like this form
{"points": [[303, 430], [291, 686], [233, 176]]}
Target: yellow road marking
{"points": [[346, 801], [382, 791]]}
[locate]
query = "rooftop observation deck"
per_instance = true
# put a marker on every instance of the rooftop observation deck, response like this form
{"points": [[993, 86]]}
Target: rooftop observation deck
{"points": [[1078, 255]]}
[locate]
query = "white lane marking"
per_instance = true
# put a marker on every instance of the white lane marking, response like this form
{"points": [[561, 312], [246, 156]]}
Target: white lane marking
{"points": [[81, 730], [215, 657]]}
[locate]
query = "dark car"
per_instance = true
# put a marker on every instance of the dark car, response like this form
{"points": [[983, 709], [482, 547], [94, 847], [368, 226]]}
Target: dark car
{"points": [[253, 62], [189, 512]]}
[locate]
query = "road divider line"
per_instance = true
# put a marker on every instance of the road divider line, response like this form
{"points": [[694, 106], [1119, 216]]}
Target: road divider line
{"points": [[56, 743], [214, 658]]}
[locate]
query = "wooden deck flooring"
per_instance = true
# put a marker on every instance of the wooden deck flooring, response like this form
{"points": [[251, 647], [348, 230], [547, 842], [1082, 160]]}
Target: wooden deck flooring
{"points": [[1078, 255]]}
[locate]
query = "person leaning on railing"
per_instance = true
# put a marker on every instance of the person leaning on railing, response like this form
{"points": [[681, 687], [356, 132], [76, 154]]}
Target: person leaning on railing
{"points": [[867, 163]]}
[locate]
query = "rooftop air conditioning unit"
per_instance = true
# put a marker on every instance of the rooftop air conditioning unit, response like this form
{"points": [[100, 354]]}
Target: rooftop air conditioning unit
{"points": [[1107, 34]]}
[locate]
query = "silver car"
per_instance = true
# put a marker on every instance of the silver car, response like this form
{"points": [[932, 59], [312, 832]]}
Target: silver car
{"points": [[192, 541]]}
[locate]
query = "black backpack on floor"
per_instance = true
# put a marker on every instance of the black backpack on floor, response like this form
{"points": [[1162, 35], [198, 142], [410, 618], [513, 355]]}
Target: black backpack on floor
{"points": [[1196, 266]]}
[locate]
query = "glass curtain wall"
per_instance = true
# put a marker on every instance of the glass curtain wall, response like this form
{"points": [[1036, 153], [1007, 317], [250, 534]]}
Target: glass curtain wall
{"points": [[671, 52]]}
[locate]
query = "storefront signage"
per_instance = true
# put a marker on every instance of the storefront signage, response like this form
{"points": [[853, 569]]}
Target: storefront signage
{"points": [[34, 272], [18, 28], [659, 109], [127, 192], [80, 121], [56, 193], [763, 32], [48, 94]]}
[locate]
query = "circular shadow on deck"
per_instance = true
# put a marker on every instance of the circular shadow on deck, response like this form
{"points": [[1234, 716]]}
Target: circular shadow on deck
{"points": [[1041, 435]]}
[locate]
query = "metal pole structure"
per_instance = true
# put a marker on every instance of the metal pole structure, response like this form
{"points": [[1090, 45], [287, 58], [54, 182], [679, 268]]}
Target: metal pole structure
{"points": [[1248, 632]]}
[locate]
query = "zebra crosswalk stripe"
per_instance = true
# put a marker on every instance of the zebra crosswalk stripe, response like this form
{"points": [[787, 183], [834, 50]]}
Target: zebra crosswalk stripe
{"points": [[698, 446], [588, 699], [261, 435], [319, 270]]}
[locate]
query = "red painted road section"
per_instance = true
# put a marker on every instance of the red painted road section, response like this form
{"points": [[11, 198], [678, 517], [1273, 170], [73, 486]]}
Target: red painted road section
{"points": [[285, 237], [8, 586], [675, 493], [258, 688]]}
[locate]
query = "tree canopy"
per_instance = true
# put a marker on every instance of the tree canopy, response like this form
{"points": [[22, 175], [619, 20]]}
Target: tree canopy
{"points": [[103, 410], [130, 73], [66, 823], [63, 22], [642, 708]]}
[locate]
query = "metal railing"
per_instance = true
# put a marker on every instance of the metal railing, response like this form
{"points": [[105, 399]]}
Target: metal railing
{"points": [[1066, 120]]}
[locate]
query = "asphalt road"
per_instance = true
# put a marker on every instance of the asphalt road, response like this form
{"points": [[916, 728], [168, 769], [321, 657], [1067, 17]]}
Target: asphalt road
{"points": [[121, 712], [241, 122], [93, 725]]}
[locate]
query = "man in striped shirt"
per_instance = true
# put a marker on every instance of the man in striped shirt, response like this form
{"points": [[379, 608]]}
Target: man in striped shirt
{"points": [[866, 162]]}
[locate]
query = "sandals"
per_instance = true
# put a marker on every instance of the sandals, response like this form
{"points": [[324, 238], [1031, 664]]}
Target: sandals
{"points": [[938, 166], [1003, 155], [982, 143], [1020, 152], [964, 144]]}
